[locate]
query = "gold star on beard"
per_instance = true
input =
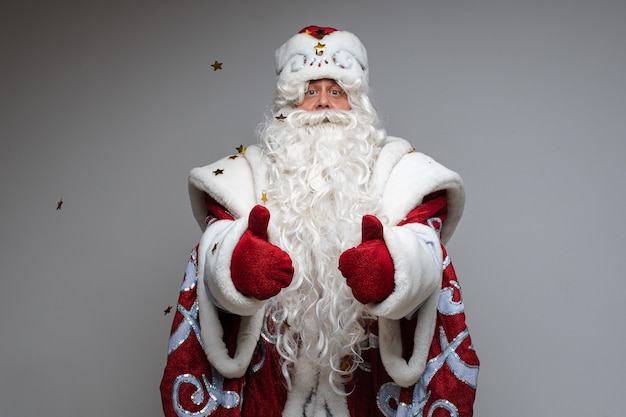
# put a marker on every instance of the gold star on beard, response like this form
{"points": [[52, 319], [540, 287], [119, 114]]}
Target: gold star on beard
{"points": [[281, 117], [264, 197], [241, 149], [217, 65], [319, 48], [218, 171], [214, 248]]}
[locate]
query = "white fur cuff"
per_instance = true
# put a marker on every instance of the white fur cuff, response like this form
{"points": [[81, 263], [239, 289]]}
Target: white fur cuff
{"points": [[217, 246], [417, 258]]}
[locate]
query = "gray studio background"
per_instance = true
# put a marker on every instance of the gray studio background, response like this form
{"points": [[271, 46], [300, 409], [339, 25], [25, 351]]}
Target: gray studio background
{"points": [[109, 104]]}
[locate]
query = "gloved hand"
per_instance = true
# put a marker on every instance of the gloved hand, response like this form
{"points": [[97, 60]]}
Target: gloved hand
{"points": [[368, 267], [259, 268]]}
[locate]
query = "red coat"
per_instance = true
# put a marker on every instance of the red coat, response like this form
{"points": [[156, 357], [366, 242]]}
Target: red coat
{"points": [[192, 386]]}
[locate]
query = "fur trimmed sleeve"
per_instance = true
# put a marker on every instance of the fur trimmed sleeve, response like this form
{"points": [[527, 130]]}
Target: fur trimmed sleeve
{"points": [[418, 257], [411, 182], [222, 195]]}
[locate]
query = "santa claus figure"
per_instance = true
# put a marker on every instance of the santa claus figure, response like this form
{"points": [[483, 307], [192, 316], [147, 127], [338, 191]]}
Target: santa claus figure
{"points": [[321, 285]]}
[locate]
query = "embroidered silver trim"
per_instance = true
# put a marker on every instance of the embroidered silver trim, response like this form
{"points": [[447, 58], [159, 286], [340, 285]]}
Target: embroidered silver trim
{"points": [[190, 279], [465, 373], [435, 223], [276, 318], [216, 395], [445, 305], [446, 262], [262, 352], [190, 322], [447, 405]]}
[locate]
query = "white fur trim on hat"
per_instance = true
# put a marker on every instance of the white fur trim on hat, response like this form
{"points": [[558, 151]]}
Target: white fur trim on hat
{"points": [[309, 55]]}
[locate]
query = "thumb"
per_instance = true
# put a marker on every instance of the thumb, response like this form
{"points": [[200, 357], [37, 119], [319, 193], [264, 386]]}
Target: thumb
{"points": [[371, 228], [258, 220]]}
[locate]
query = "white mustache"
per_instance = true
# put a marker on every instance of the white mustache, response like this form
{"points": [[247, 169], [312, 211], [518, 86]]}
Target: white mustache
{"points": [[301, 118]]}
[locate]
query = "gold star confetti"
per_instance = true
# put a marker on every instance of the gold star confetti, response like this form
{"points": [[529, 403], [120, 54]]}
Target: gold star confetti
{"points": [[167, 310], [241, 149], [412, 150], [217, 65], [286, 325], [218, 171], [345, 365], [319, 48], [59, 204], [281, 117], [214, 248], [264, 197], [233, 157]]}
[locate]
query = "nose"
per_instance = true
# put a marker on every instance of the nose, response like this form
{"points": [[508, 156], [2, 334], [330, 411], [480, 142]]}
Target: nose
{"points": [[322, 102]]}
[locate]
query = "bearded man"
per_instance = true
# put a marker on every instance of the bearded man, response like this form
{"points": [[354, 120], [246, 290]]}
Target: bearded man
{"points": [[321, 286]]}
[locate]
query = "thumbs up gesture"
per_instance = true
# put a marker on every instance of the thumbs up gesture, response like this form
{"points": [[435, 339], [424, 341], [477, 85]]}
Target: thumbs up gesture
{"points": [[259, 268], [368, 267]]}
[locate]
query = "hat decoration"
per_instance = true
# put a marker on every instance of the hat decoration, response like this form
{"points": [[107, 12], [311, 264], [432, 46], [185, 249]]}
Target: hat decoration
{"points": [[322, 52]]}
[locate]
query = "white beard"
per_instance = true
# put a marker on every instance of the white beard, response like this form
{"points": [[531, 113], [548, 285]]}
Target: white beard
{"points": [[319, 190]]}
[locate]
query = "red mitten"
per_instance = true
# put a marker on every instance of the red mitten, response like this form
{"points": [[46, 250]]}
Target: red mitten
{"points": [[259, 268], [368, 268]]}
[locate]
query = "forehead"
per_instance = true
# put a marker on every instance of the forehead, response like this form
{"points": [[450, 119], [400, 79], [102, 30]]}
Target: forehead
{"points": [[323, 82]]}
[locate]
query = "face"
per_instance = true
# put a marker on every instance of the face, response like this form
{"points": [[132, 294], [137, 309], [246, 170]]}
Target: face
{"points": [[324, 94]]}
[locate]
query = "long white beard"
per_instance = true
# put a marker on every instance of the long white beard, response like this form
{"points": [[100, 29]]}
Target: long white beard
{"points": [[321, 165]]}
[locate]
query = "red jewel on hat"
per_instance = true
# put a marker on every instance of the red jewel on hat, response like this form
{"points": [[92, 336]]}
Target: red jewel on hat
{"points": [[317, 31]]}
